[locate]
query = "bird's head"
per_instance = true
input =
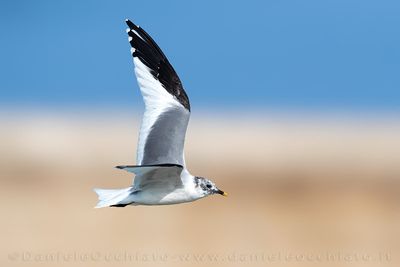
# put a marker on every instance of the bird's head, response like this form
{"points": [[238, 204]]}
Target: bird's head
{"points": [[206, 187]]}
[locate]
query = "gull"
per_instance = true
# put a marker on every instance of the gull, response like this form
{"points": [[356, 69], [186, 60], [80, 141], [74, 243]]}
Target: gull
{"points": [[161, 177]]}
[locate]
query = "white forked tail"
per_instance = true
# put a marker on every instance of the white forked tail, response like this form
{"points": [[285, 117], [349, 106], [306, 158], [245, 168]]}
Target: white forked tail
{"points": [[110, 197]]}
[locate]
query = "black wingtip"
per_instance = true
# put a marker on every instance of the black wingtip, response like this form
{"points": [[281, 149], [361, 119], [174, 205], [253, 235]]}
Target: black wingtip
{"points": [[120, 167], [130, 24]]}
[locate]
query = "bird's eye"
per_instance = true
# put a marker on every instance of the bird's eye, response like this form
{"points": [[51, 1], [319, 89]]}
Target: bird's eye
{"points": [[208, 186]]}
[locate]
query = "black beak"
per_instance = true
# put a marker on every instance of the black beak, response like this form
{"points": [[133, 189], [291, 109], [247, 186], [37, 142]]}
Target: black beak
{"points": [[221, 193]]}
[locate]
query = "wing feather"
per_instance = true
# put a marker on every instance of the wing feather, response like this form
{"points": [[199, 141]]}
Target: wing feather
{"points": [[167, 107], [165, 174]]}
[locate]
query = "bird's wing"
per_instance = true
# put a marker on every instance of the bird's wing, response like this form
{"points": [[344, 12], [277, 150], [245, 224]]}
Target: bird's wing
{"points": [[162, 175], [167, 108]]}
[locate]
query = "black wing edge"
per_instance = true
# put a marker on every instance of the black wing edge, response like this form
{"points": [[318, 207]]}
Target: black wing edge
{"points": [[150, 54], [154, 165]]}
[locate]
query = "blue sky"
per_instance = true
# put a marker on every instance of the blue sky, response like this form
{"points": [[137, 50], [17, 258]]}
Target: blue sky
{"points": [[241, 54]]}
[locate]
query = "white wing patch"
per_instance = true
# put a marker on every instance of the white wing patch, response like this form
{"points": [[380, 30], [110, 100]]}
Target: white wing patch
{"points": [[157, 100]]}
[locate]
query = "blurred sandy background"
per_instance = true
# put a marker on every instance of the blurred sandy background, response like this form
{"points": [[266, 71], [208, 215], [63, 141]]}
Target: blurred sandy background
{"points": [[318, 191]]}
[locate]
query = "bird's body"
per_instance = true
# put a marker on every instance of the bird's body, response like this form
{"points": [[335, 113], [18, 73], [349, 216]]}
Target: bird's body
{"points": [[161, 177], [159, 193]]}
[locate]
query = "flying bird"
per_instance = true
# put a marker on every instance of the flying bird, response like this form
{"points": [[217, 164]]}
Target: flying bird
{"points": [[161, 177]]}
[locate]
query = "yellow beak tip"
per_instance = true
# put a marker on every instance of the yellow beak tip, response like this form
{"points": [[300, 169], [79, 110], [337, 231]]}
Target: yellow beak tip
{"points": [[225, 194]]}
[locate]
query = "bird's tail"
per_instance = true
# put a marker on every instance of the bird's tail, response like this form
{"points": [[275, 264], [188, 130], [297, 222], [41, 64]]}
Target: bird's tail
{"points": [[113, 197]]}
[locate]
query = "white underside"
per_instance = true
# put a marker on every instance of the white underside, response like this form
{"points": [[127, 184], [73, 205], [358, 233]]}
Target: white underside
{"points": [[158, 197], [157, 190]]}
